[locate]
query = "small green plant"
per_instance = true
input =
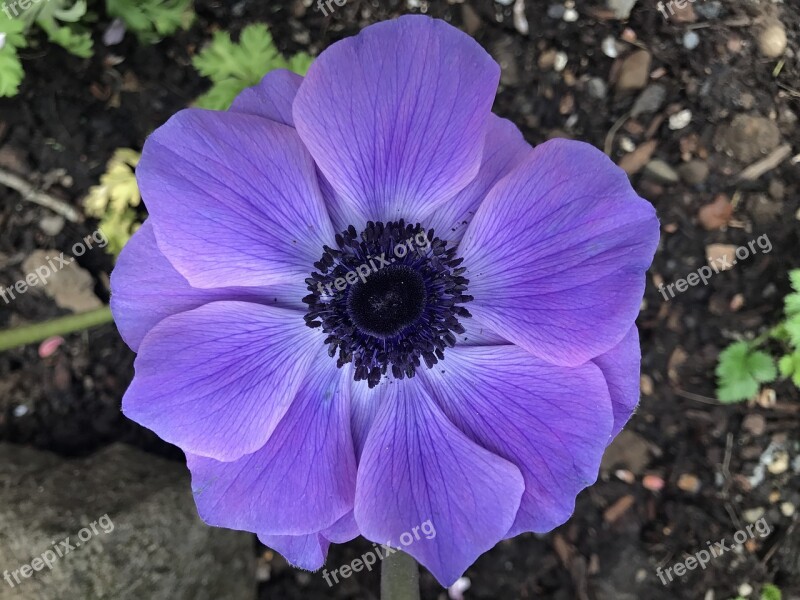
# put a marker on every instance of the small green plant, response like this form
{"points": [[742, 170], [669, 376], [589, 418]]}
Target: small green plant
{"points": [[743, 367], [114, 201], [151, 20], [233, 67], [59, 19], [768, 592]]}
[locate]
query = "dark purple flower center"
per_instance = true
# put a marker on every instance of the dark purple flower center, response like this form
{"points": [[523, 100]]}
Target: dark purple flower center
{"points": [[388, 297]]}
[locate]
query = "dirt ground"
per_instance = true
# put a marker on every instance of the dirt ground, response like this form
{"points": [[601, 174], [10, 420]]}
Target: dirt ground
{"points": [[686, 102]]}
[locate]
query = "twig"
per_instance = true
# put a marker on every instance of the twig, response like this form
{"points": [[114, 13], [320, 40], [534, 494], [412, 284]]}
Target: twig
{"points": [[766, 164], [609, 145], [28, 192]]}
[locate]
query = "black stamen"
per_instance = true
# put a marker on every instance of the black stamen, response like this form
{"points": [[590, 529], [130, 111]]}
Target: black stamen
{"points": [[387, 298]]}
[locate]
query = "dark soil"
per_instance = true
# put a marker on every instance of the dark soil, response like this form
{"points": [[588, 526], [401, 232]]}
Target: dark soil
{"points": [[72, 114]]}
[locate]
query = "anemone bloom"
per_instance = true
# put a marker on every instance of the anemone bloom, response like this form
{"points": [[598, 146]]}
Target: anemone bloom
{"points": [[363, 302]]}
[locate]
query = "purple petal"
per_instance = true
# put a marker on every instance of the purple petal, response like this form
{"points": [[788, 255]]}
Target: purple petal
{"points": [[302, 551], [395, 117], [556, 255], [146, 288], [418, 470], [234, 199], [301, 481], [505, 149], [620, 367], [272, 98], [344, 530], [551, 422], [216, 380]]}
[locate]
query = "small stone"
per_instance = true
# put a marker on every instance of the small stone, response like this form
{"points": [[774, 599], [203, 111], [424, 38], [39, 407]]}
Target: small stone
{"points": [[560, 62], [694, 172], [709, 10], [754, 423], [570, 15], [596, 88], [51, 224], [650, 100], [661, 171], [609, 47], [505, 2], [646, 385], [633, 162], [654, 483], [745, 589], [456, 591], [691, 40], [772, 40], [717, 214], [20, 411], [780, 462], [689, 483], [625, 475], [787, 509], [751, 515], [748, 138], [635, 71], [556, 11], [777, 190], [721, 256], [621, 8], [680, 120]]}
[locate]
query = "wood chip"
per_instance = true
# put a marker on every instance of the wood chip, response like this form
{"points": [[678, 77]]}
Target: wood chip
{"points": [[619, 508]]}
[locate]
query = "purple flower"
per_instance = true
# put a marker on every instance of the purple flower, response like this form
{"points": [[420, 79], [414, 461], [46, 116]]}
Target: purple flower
{"points": [[471, 379]]}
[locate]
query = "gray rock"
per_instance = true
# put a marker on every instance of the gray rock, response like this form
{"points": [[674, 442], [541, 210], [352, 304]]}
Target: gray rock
{"points": [[131, 521], [709, 10], [597, 88], [650, 100], [622, 8], [556, 11], [694, 172], [748, 137]]}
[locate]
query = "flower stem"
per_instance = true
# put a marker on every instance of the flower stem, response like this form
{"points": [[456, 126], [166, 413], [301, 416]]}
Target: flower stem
{"points": [[399, 577], [20, 336]]}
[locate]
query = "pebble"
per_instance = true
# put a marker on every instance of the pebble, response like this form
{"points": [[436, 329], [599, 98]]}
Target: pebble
{"points": [[680, 120], [772, 40], [456, 591], [654, 483], [780, 462], [709, 10], [751, 515], [755, 424], [560, 62], [570, 15], [556, 11], [609, 47], [625, 475], [787, 509], [694, 172], [650, 100], [627, 144], [622, 8], [635, 71], [689, 483], [51, 224], [505, 2], [660, 170], [745, 589], [596, 88], [691, 40], [20, 410]]}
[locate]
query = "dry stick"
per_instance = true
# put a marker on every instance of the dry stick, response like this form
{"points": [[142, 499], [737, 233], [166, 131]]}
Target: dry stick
{"points": [[766, 164], [28, 192]]}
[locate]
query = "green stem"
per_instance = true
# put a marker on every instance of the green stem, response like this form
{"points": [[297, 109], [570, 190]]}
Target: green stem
{"points": [[29, 334], [399, 577]]}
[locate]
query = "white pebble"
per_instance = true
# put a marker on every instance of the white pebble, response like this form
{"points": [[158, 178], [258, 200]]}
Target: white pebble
{"points": [[570, 15], [691, 40], [609, 47], [20, 410], [680, 119], [745, 589], [560, 61]]}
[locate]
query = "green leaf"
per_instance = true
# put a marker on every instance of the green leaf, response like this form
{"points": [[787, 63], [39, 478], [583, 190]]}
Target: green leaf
{"points": [[152, 20], [11, 72], [740, 372], [789, 366], [770, 592], [68, 37], [233, 67]]}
